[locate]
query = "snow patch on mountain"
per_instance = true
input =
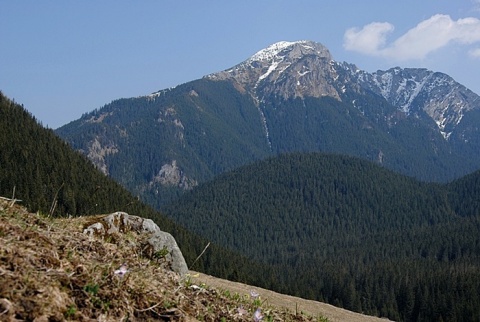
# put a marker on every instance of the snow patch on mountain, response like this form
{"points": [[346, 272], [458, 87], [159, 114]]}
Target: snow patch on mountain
{"points": [[272, 51], [418, 90], [159, 93], [272, 67]]}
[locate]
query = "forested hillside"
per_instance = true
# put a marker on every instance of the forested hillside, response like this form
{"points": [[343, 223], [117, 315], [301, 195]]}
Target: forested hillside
{"points": [[160, 145], [288, 97], [48, 176], [348, 232], [196, 130]]}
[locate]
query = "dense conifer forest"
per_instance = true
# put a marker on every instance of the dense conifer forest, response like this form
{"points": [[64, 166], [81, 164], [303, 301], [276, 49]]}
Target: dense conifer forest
{"points": [[42, 171], [350, 233]]}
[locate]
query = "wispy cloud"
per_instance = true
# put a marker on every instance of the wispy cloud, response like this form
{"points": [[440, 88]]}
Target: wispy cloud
{"points": [[475, 53], [476, 5], [425, 38], [369, 39]]}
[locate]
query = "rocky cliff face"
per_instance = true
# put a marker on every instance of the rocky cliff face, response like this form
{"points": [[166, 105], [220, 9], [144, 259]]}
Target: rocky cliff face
{"points": [[171, 175], [417, 90], [97, 153]]}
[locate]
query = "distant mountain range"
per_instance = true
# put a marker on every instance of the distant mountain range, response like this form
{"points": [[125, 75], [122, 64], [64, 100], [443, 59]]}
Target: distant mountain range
{"points": [[288, 97]]}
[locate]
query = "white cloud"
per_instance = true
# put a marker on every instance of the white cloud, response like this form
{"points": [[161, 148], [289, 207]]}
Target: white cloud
{"points": [[475, 53], [369, 39], [425, 38]]}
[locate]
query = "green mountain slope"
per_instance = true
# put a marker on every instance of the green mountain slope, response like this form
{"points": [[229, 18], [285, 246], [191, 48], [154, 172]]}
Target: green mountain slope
{"points": [[160, 145], [376, 132], [43, 171], [202, 127], [348, 232]]}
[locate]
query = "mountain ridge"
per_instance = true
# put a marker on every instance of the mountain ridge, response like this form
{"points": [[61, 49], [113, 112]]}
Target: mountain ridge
{"points": [[400, 87], [422, 86]]}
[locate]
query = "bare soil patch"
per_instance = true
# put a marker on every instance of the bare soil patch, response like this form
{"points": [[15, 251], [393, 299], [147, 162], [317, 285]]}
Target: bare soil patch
{"points": [[291, 303]]}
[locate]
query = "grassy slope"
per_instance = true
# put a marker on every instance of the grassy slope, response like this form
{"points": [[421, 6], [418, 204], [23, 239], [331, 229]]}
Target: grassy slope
{"points": [[51, 271]]}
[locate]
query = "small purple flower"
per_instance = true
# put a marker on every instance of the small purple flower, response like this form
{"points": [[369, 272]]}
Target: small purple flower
{"points": [[257, 316], [242, 311], [122, 270], [254, 294]]}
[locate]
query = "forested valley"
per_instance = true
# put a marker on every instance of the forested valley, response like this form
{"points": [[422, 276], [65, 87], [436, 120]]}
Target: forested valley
{"points": [[350, 233]]}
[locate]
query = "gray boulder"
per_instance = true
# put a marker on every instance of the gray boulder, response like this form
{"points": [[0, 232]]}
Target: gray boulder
{"points": [[160, 244]]}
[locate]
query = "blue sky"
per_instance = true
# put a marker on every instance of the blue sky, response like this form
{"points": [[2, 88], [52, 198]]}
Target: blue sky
{"points": [[61, 59]]}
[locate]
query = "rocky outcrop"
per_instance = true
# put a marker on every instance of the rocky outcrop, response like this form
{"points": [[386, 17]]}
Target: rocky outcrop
{"points": [[158, 243], [172, 175], [97, 153]]}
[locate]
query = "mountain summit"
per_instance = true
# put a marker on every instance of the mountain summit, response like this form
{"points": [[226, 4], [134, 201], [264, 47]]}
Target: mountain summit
{"points": [[285, 69]]}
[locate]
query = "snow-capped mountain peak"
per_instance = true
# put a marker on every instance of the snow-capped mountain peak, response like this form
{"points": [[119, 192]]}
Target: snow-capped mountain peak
{"points": [[285, 69], [271, 51], [304, 68], [302, 47]]}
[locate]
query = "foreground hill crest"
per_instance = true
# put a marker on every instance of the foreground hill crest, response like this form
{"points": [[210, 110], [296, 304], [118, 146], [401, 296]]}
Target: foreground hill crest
{"points": [[51, 271]]}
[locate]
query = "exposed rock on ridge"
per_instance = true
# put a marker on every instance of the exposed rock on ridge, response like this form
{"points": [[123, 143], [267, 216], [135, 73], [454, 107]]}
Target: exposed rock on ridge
{"points": [[285, 69], [305, 68], [172, 175], [416, 90], [97, 153], [158, 241]]}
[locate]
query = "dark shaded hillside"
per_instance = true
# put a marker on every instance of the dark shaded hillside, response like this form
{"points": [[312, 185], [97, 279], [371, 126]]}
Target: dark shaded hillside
{"points": [[42, 170], [348, 232], [370, 129], [465, 195], [203, 127]]}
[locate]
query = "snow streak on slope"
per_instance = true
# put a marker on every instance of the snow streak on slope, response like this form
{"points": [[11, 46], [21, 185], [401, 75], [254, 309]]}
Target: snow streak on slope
{"points": [[414, 90]]}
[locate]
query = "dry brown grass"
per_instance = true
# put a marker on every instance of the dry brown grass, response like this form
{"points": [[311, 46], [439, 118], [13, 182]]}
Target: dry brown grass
{"points": [[51, 271]]}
